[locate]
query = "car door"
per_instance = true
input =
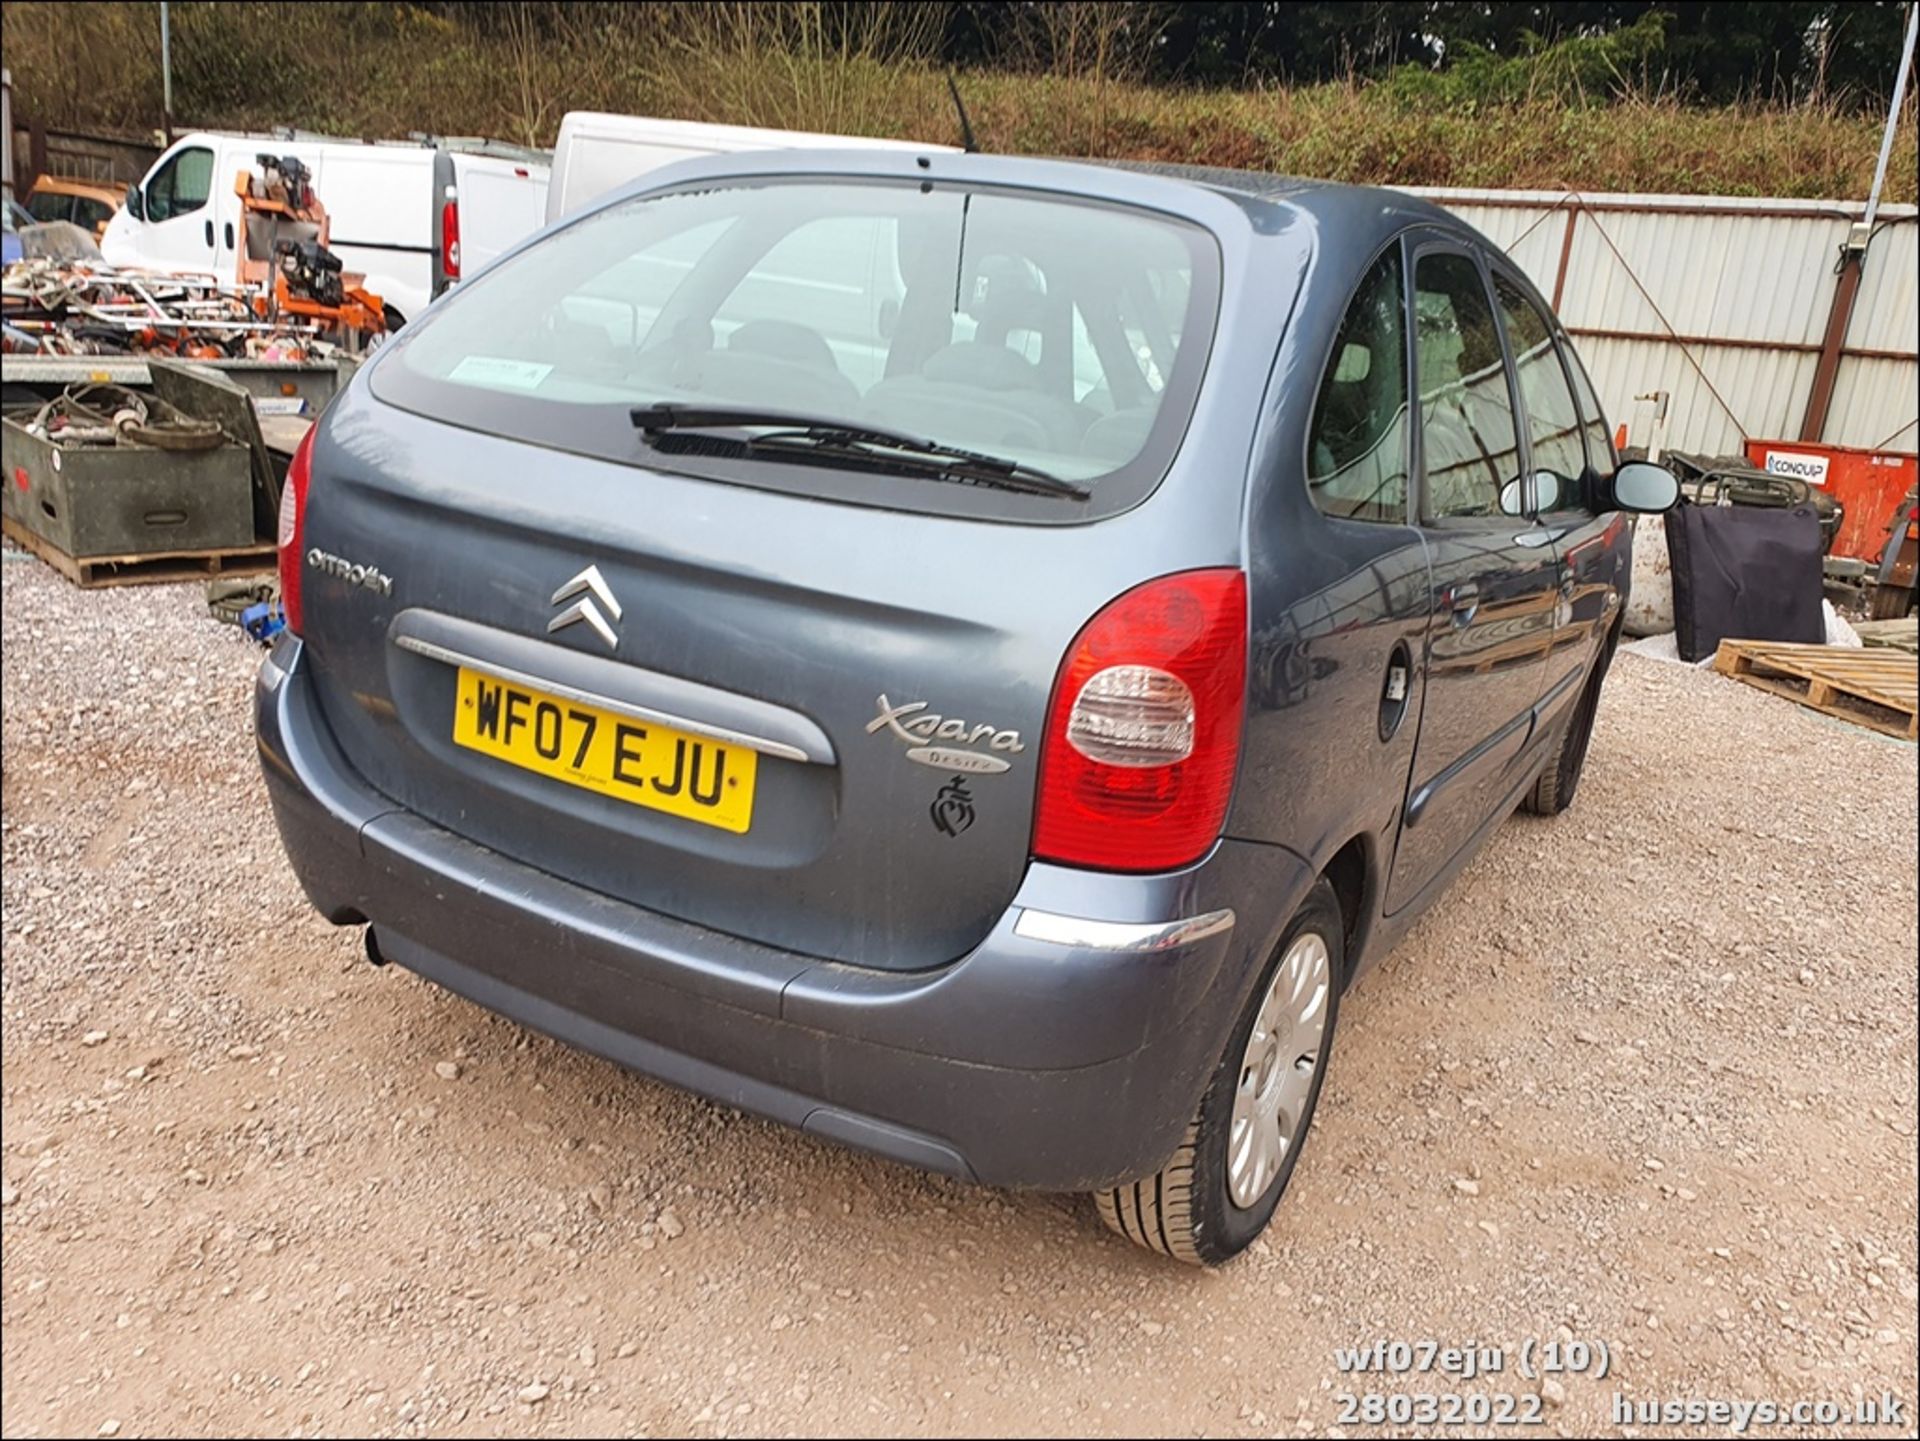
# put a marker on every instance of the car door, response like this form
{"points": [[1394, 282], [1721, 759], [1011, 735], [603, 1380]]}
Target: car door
{"points": [[1571, 457], [1495, 581], [177, 233], [1340, 594]]}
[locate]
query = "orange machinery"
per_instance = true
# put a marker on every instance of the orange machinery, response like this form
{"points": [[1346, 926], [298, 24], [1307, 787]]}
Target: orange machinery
{"points": [[283, 251]]}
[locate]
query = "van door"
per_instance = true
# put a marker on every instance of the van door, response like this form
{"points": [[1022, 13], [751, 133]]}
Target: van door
{"points": [[179, 228], [501, 202], [229, 220], [380, 212], [1495, 574]]}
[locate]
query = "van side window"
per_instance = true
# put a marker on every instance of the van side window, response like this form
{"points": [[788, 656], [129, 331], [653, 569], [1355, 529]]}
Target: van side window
{"points": [[1472, 448], [181, 186], [1357, 446], [1553, 420]]}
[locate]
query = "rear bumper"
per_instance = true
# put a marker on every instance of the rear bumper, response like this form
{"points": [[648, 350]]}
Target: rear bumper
{"points": [[1059, 1053]]}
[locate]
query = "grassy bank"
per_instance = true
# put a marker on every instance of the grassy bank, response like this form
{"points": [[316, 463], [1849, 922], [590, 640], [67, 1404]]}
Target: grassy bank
{"points": [[385, 70]]}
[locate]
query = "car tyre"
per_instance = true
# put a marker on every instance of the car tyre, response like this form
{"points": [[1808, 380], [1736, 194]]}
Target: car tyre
{"points": [[1217, 1194], [1553, 792]]}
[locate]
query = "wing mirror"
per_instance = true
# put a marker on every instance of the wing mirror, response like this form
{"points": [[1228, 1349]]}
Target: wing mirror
{"points": [[1641, 486], [136, 201]]}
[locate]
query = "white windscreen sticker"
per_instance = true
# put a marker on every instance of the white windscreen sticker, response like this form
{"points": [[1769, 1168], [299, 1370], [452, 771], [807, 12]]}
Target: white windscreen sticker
{"points": [[491, 370]]}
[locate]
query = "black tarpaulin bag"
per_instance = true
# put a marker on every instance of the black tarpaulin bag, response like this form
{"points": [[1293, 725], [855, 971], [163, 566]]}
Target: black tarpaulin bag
{"points": [[1744, 573]]}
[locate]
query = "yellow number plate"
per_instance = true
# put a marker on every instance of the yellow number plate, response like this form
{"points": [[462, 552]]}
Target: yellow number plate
{"points": [[650, 765]]}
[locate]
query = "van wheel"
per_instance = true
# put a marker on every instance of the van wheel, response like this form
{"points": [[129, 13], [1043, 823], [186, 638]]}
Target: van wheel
{"points": [[1217, 1194]]}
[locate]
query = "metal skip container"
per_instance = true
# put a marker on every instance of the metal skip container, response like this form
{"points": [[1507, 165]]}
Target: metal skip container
{"points": [[1868, 484], [99, 504]]}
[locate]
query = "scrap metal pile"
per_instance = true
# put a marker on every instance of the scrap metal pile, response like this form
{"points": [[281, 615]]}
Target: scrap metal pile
{"points": [[57, 307], [105, 414], [290, 299]]}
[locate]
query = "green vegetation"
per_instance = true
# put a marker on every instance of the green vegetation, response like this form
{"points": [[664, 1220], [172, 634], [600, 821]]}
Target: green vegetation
{"points": [[1590, 111]]}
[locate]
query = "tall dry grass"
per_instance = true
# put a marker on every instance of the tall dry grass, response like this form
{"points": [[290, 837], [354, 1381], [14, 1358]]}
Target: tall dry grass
{"points": [[1066, 85], [805, 66]]}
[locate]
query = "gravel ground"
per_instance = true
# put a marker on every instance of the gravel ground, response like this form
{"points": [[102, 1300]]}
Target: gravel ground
{"points": [[1647, 1074]]}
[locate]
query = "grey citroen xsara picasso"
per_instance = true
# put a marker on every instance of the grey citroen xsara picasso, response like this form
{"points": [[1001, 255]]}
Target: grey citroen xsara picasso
{"points": [[966, 656]]}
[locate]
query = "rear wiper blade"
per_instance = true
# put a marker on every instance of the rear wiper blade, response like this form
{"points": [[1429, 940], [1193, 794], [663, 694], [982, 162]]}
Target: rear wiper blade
{"points": [[817, 432], [669, 415]]}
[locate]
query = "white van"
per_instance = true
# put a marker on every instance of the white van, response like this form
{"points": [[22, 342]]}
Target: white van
{"points": [[597, 152], [409, 215]]}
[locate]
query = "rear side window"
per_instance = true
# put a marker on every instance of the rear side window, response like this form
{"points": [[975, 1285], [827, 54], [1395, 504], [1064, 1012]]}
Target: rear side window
{"points": [[1599, 444], [1470, 445], [1065, 335], [1357, 447], [181, 186], [46, 206], [1553, 420], [90, 213]]}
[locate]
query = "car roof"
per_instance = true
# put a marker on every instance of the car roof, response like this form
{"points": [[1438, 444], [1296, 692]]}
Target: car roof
{"points": [[1357, 219], [72, 185], [1322, 197]]}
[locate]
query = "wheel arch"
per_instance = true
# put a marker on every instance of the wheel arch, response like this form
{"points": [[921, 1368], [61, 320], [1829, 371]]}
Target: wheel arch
{"points": [[1353, 870]]}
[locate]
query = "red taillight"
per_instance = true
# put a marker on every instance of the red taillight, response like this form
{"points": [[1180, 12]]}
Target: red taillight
{"points": [[1143, 734], [293, 528], [450, 239]]}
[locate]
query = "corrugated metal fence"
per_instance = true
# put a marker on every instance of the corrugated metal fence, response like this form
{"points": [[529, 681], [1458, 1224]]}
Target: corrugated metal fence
{"points": [[1723, 302]]}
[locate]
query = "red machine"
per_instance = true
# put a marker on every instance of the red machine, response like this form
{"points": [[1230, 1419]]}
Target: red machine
{"points": [[1869, 484]]}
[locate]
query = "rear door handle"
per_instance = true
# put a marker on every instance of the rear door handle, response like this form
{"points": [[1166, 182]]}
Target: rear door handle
{"points": [[226, 232], [209, 235]]}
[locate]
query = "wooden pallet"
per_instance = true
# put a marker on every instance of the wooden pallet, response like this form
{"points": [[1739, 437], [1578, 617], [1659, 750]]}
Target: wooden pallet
{"points": [[1900, 634], [95, 571], [1879, 689]]}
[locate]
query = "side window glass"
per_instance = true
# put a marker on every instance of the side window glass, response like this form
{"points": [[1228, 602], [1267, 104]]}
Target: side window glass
{"points": [[181, 186], [46, 207], [1599, 443], [1357, 445], [1472, 449], [1553, 420]]}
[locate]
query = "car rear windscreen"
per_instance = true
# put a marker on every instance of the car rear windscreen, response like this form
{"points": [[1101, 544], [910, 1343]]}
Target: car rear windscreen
{"points": [[1061, 334]]}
